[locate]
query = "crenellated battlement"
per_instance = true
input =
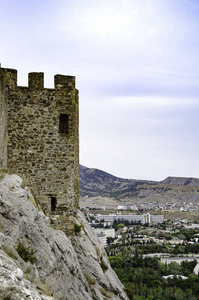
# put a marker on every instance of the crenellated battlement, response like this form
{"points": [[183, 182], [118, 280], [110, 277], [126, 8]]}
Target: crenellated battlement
{"points": [[36, 80], [40, 140]]}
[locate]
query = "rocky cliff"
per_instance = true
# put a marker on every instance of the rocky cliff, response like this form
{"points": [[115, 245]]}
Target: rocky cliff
{"points": [[38, 262]]}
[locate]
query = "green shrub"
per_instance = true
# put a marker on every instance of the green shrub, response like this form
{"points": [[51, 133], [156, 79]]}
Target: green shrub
{"points": [[77, 228], [26, 253]]}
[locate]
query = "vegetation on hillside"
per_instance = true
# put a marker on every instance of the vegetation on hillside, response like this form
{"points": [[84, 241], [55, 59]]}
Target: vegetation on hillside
{"points": [[143, 279]]}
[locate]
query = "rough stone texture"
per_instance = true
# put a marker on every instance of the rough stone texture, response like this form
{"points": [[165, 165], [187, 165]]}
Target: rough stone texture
{"points": [[92, 258], [3, 124], [74, 269], [43, 140], [13, 284]]}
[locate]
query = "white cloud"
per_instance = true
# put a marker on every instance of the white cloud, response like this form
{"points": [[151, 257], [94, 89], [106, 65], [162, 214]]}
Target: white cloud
{"points": [[136, 64]]}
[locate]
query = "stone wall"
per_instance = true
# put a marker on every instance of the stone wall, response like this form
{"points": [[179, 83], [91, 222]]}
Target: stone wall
{"points": [[43, 142], [3, 123]]}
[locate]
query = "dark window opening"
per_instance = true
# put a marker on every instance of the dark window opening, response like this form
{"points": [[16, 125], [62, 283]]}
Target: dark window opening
{"points": [[53, 204], [63, 123]]}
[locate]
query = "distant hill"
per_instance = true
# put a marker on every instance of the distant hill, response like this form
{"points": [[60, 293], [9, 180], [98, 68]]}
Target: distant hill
{"points": [[181, 181], [95, 183]]}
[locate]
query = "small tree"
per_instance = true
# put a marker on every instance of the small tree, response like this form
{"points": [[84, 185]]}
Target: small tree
{"points": [[121, 225]]}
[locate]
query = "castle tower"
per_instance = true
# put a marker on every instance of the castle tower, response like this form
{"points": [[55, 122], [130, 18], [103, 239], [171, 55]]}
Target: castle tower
{"points": [[43, 141], [3, 124]]}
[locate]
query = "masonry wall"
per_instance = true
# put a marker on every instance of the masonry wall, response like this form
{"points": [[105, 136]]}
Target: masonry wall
{"points": [[3, 123], [43, 142]]}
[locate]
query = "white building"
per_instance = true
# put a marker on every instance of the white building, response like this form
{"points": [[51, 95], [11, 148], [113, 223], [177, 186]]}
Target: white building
{"points": [[127, 207], [109, 232], [102, 239], [146, 218], [192, 226], [156, 219]]}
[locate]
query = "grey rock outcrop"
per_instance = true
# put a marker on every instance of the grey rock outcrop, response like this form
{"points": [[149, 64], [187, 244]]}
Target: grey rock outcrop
{"points": [[190, 181], [55, 267]]}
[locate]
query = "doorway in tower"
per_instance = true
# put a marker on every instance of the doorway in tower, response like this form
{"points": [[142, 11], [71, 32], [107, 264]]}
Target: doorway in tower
{"points": [[53, 203]]}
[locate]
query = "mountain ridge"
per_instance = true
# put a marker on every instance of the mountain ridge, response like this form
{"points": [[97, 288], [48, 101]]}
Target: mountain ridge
{"points": [[94, 183], [191, 181]]}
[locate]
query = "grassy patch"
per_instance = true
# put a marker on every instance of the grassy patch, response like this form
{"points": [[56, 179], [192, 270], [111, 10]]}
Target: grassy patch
{"points": [[103, 265], [28, 274], [9, 251], [1, 223], [1, 176], [91, 281], [2, 173], [24, 183], [97, 252], [45, 289], [106, 294]]}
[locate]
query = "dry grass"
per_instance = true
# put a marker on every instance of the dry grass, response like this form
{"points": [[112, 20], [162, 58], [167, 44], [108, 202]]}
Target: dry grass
{"points": [[10, 251], [91, 281], [2, 173], [106, 294], [45, 289], [173, 215]]}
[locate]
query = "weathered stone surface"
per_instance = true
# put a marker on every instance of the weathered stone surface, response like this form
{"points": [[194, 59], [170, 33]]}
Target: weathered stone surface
{"points": [[14, 285], [92, 258], [74, 269]]}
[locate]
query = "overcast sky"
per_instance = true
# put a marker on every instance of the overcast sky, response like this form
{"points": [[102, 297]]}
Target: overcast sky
{"points": [[136, 64]]}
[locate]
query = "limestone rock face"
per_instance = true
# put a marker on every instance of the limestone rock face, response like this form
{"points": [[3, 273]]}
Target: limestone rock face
{"points": [[13, 284], [94, 261], [50, 265]]}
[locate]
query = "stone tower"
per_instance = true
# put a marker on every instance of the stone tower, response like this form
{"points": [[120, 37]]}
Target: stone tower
{"points": [[3, 124], [39, 139]]}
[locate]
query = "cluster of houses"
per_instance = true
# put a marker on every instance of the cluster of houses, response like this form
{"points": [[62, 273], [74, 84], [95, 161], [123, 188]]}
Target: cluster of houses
{"points": [[155, 206], [160, 206], [108, 221], [102, 225], [104, 233]]}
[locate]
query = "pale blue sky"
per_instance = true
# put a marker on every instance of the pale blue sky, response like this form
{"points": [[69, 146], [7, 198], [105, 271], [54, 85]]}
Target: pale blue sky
{"points": [[136, 64]]}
